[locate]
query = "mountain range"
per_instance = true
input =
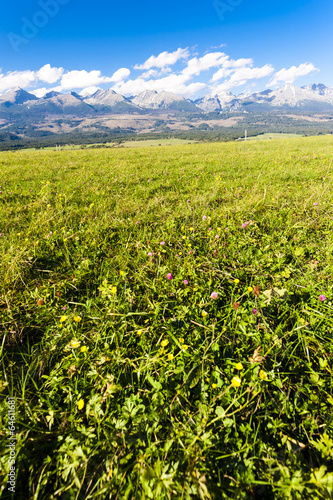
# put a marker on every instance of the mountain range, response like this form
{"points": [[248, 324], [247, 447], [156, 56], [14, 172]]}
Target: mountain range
{"points": [[310, 98]]}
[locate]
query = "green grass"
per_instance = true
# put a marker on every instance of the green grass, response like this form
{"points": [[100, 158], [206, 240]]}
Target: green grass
{"points": [[126, 144], [126, 382], [269, 136]]}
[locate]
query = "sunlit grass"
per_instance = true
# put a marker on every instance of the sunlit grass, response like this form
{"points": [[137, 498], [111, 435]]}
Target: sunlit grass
{"points": [[167, 320]]}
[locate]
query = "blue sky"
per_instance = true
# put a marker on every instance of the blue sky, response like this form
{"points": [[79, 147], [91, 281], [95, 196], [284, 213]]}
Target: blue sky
{"points": [[187, 47]]}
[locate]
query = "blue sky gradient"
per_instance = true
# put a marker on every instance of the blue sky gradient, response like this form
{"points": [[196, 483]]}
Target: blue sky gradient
{"points": [[105, 36]]}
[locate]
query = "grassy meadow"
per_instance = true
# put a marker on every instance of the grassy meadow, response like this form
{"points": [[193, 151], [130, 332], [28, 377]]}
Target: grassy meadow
{"points": [[167, 323]]}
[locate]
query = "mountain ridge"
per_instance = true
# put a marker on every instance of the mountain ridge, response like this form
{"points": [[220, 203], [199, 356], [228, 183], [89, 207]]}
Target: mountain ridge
{"points": [[313, 96]]}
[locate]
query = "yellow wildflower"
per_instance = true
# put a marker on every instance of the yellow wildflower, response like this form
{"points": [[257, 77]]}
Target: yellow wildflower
{"points": [[170, 356], [74, 344], [63, 319], [250, 289], [83, 348], [263, 375], [181, 341], [122, 273], [214, 386], [236, 381], [80, 404], [164, 343], [236, 281], [204, 314], [77, 319], [185, 347], [139, 332], [239, 366], [114, 290]]}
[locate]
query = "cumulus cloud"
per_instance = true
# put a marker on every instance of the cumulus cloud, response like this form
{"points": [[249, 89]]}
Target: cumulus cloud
{"points": [[182, 72], [291, 74], [241, 76], [196, 65], [40, 92], [178, 84], [16, 79], [164, 59], [120, 75], [89, 91], [82, 78], [48, 74]]}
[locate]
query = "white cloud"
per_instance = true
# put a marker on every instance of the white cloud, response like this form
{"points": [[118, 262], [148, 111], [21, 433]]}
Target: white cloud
{"points": [[208, 61], [89, 91], [178, 84], [242, 75], [16, 79], [48, 74], [158, 73], [39, 92], [291, 74], [120, 75], [164, 59], [81, 79], [221, 73]]}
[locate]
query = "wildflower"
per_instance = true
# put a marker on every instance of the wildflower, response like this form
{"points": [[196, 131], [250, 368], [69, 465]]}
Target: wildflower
{"points": [[214, 386], [239, 366], [150, 254], [236, 305], [185, 282], [250, 289], [204, 217], [263, 375], [255, 312], [217, 237], [210, 229], [315, 204], [64, 308], [322, 298], [63, 319], [122, 273], [236, 281], [74, 344], [169, 276], [162, 243], [139, 332], [245, 224], [40, 302], [77, 319], [184, 347], [236, 381], [83, 348], [170, 356], [80, 404], [214, 295], [137, 222], [164, 343], [114, 290], [181, 341], [256, 291], [204, 314]]}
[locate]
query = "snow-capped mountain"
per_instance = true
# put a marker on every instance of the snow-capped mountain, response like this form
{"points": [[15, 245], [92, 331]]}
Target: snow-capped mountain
{"points": [[150, 99], [310, 98], [57, 103], [16, 96], [216, 102]]}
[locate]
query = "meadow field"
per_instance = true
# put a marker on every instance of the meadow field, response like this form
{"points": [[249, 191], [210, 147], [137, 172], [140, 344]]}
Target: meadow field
{"points": [[166, 321]]}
